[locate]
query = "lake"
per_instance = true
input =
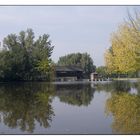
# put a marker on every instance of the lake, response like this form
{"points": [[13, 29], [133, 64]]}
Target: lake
{"points": [[84, 108]]}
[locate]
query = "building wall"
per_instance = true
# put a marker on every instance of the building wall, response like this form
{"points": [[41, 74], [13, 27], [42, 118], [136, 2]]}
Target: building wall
{"points": [[68, 75], [94, 76]]}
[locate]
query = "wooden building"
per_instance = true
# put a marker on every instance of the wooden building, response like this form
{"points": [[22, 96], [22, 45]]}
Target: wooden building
{"points": [[68, 73]]}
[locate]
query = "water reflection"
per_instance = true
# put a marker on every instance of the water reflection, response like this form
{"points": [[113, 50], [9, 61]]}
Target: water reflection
{"points": [[124, 105], [115, 86], [75, 94], [23, 104]]}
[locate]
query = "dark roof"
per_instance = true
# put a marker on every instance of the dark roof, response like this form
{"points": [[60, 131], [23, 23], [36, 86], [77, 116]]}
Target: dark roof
{"points": [[68, 68]]}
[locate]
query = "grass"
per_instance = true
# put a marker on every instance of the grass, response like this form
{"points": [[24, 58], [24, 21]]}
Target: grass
{"points": [[126, 79]]}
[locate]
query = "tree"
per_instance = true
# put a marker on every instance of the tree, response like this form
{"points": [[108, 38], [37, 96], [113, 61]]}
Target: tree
{"points": [[102, 70], [82, 60], [124, 54], [24, 58]]}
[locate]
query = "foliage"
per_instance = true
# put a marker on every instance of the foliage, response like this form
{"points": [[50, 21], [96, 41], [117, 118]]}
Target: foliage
{"points": [[24, 58], [82, 60], [124, 54], [102, 70]]}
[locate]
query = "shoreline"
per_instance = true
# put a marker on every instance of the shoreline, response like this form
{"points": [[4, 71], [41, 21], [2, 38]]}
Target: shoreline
{"points": [[74, 82]]}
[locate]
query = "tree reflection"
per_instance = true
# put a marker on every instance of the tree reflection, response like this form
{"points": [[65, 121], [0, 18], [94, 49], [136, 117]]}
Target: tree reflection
{"points": [[115, 86], [125, 109], [21, 105], [75, 94]]}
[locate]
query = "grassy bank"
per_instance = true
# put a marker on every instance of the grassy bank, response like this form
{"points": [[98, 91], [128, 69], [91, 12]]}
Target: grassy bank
{"points": [[123, 79]]}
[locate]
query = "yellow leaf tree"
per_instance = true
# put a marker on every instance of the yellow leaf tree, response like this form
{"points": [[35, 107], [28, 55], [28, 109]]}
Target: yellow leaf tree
{"points": [[124, 54]]}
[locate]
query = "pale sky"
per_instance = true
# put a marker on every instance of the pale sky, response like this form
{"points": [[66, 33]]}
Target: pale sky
{"points": [[71, 28]]}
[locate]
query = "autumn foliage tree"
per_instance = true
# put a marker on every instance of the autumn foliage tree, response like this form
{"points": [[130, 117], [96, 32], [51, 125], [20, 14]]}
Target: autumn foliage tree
{"points": [[124, 54]]}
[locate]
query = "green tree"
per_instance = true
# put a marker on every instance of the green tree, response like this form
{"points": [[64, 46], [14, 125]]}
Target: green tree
{"points": [[102, 70], [82, 60], [24, 58]]}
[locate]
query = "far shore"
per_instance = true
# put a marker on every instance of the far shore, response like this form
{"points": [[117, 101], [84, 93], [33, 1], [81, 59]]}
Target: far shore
{"points": [[76, 82], [123, 79]]}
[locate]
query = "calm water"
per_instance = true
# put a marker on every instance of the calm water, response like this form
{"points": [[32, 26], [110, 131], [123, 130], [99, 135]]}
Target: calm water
{"points": [[41, 108]]}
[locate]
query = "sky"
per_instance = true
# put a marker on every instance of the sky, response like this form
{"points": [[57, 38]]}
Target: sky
{"points": [[72, 29]]}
